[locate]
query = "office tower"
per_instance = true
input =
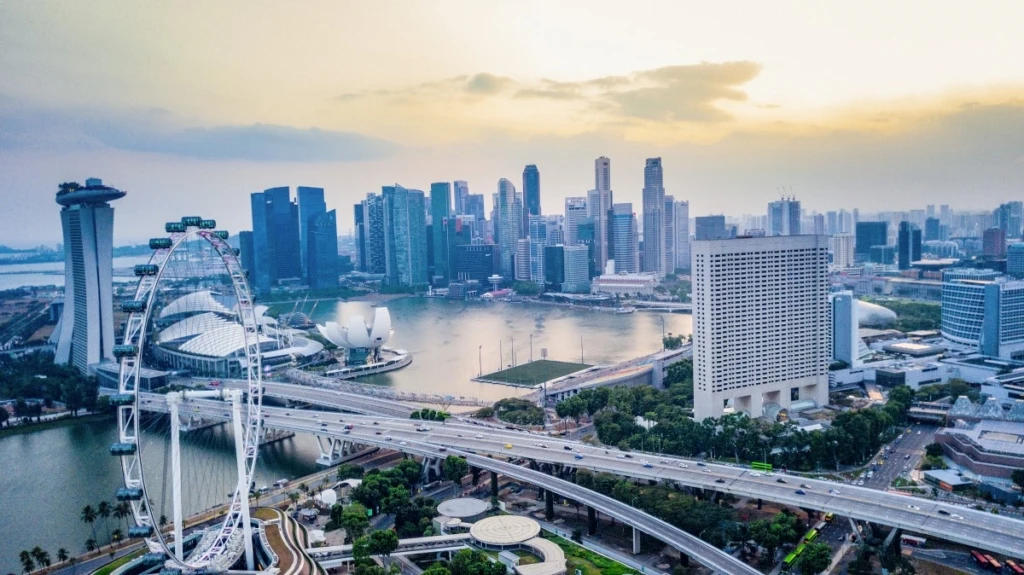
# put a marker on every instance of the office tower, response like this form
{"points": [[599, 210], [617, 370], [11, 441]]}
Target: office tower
{"points": [[475, 262], [576, 269], [461, 189], [762, 327], [495, 221], [1007, 217], [670, 234], [624, 249], [86, 326], [587, 235], [783, 218], [275, 237], [846, 222], [682, 235], [709, 228], [599, 202], [654, 217], [870, 234], [843, 251], [884, 255], [373, 217], [575, 212], [245, 254], [845, 328], [538, 240], [932, 230], [405, 236], [359, 231], [832, 223], [475, 208], [556, 230], [908, 244], [818, 224], [1015, 259], [322, 251], [554, 268], [440, 211], [522, 260], [510, 212], [930, 210], [311, 205], [993, 243], [945, 214], [531, 194], [982, 309]]}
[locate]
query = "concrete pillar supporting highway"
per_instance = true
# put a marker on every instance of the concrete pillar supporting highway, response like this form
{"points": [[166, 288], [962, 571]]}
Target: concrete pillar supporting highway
{"points": [[759, 503], [636, 541], [549, 506], [591, 521], [332, 450], [494, 484], [540, 493], [888, 540]]}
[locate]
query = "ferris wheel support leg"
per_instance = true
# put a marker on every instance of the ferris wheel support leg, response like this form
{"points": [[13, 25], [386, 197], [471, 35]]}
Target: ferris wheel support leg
{"points": [[243, 481], [173, 402]]}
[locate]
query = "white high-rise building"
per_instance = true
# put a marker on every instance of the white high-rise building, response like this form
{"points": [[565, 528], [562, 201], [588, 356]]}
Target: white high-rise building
{"points": [[682, 234], [522, 259], [600, 203], [654, 218], [86, 328], [762, 324], [575, 212], [510, 213], [843, 246]]}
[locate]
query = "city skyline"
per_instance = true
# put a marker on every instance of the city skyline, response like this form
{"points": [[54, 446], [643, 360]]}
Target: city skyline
{"points": [[734, 114]]}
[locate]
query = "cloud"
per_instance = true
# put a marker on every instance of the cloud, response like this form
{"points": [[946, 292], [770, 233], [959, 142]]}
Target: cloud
{"points": [[161, 132], [685, 93], [488, 84]]}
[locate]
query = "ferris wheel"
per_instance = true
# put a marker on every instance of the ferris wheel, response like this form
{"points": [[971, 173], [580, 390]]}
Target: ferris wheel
{"points": [[182, 445]]}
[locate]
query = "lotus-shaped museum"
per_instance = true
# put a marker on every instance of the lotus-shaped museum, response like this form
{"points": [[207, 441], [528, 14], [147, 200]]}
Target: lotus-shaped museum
{"points": [[357, 333]]}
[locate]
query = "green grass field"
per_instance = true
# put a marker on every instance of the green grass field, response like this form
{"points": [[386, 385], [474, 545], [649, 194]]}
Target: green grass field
{"points": [[590, 563], [535, 372]]}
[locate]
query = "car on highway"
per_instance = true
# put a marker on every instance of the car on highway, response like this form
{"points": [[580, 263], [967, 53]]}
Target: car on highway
{"points": [[801, 492], [780, 480], [578, 456], [914, 507], [442, 449], [907, 456], [628, 456], [508, 446], [288, 413], [567, 447], [315, 416], [755, 474], [683, 465], [805, 486], [719, 480], [377, 433], [620, 456], [646, 463], [479, 436], [942, 512], [402, 443], [701, 464], [860, 482], [834, 491], [387, 438], [323, 424]]}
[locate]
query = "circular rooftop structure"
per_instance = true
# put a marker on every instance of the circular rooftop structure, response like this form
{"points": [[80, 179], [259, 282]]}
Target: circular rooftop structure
{"points": [[463, 508], [504, 530]]}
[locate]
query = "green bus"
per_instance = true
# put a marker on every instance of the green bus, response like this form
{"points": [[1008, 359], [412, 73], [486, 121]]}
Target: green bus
{"points": [[811, 536], [760, 466]]}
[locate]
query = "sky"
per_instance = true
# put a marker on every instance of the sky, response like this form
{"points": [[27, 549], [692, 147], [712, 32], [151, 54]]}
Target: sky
{"points": [[190, 106]]}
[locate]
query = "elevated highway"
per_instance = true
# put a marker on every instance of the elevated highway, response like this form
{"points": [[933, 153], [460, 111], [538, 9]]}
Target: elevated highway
{"points": [[336, 556], [994, 533]]}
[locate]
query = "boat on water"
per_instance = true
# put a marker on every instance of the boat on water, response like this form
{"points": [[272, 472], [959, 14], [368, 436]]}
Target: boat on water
{"points": [[625, 309]]}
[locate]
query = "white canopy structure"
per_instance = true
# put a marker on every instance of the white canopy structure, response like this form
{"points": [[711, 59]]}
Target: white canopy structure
{"points": [[357, 334]]}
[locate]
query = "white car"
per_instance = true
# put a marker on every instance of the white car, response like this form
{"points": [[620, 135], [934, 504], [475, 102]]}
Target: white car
{"points": [[479, 436], [914, 507], [755, 474], [683, 465], [402, 443], [620, 456], [663, 462], [834, 491]]}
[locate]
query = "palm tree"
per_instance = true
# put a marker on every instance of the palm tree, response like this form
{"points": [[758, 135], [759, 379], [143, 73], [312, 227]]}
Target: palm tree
{"points": [[89, 517], [90, 545], [103, 510], [304, 488], [116, 536], [37, 554], [27, 563], [62, 555], [122, 511]]}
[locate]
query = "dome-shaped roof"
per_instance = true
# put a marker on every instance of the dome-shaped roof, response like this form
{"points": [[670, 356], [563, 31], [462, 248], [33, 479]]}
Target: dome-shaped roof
{"points": [[874, 314], [357, 333]]}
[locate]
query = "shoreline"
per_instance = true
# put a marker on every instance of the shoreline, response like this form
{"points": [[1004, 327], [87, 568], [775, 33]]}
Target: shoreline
{"points": [[11, 430]]}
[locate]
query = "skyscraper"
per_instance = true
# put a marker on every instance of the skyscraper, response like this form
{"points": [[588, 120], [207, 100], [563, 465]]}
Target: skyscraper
{"points": [[784, 218], [87, 324], [405, 236], [870, 234], [275, 233], [510, 212], [932, 229], [373, 214], [575, 212], [440, 211], [311, 205], [908, 244], [461, 189], [682, 234], [577, 268], [670, 234], [761, 324], [522, 260], [538, 240], [654, 217], [359, 231], [843, 251], [600, 204], [993, 243], [710, 228], [475, 207], [1008, 218], [322, 251], [623, 247], [587, 236], [845, 324], [245, 255], [531, 193]]}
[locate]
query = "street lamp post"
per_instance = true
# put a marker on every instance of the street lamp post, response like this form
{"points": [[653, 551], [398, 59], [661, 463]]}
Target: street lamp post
{"points": [[531, 348], [513, 351], [480, 360]]}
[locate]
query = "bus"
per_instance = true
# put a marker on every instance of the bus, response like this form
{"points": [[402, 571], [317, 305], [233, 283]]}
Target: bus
{"points": [[979, 558], [913, 541], [811, 536], [788, 562], [1014, 568], [760, 466], [820, 526], [993, 564], [829, 517]]}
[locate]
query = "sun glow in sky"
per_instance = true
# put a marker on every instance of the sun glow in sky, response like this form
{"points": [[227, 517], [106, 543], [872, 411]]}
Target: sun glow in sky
{"points": [[192, 105]]}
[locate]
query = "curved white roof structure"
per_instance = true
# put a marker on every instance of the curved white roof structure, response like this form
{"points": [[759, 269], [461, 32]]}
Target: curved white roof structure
{"points": [[221, 342], [874, 314], [357, 334], [193, 326], [196, 302]]}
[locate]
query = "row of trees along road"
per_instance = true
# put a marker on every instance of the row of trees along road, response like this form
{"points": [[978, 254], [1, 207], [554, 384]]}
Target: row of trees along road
{"points": [[853, 438], [34, 376]]}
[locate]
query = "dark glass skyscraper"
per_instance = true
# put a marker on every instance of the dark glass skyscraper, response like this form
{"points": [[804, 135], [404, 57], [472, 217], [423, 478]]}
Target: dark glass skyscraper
{"points": [[275, 232], [870, 234], [405, 237], [710, 228], [908, 243], [311, 205], [440, 211], [475, 207], [322, 251], [359, 231], [654, 217], [531, 195], [245, 252]]}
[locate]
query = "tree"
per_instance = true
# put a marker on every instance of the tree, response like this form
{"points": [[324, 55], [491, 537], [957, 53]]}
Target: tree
{"points": [[354, 521], [62, 555], [577, 535], [816, 558], [455, 468], [349, 471], [672, 341], [27, 563], [933, 450], [103, 510], [383, 542], [116, 536], [90, 545], [122, 511], [88, 516]]}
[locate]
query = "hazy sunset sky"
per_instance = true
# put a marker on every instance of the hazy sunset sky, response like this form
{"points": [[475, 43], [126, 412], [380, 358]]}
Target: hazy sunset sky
{"points": [[190, 106]]}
